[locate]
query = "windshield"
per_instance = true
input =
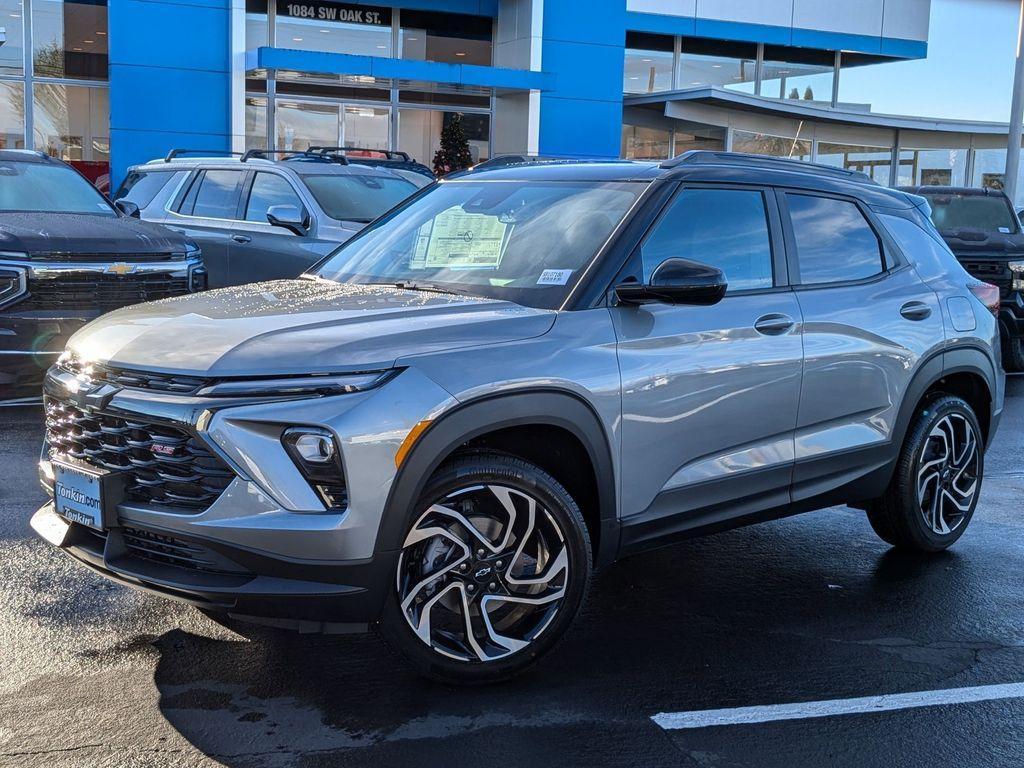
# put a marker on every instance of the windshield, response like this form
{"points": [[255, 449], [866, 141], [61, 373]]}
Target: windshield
{"points": [[39, 188], [522, 241], [357, 198], [988, 213]]}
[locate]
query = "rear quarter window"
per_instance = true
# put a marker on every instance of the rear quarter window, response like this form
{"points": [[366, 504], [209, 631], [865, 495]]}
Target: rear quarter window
{"points": [[141, 187], [834, 242]]}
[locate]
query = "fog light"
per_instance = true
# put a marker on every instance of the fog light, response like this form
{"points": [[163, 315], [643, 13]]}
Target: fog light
{"points": [[314, 448], [316, 455]]}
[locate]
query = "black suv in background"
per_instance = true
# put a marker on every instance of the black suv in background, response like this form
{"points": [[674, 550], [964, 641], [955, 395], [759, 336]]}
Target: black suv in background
{"points": [[984, 233], [67, 256]]}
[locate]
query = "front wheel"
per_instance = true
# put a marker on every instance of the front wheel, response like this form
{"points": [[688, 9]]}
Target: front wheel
{"points": [[495, 565], [937, 481]]}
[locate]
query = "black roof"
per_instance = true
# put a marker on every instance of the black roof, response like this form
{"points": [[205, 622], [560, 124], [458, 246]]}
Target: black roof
{"points": [[705, 166]]}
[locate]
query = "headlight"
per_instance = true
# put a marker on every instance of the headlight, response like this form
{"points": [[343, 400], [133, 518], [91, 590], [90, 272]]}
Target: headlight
{"points": [[298, 386], [13, 283], [316, 455], [1017, 268]]}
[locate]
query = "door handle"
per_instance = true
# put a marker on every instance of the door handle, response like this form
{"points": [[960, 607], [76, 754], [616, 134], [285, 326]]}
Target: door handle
{"points": [[916, 310], [773, 324], [241, 238]]}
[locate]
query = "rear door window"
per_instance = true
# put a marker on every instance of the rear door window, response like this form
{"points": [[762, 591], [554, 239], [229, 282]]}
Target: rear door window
{"points": [[834, 242], [268, 190], [214, 195]]}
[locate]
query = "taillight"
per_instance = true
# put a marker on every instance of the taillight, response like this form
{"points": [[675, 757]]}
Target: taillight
{"points": [[987, 294]]}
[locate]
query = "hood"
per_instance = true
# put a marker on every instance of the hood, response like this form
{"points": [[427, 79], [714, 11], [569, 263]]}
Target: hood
{"points": [[298, 326], [79, 234], [970, 241]]}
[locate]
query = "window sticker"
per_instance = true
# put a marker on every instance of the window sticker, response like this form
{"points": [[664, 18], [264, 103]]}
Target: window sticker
{"points": [[459, 240], [1005, 230], [554, 277]]}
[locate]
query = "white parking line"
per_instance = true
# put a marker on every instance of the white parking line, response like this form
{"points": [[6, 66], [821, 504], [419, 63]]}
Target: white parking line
{"points": [[672, 721]]}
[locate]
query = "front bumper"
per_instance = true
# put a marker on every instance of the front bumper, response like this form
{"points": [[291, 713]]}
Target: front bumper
{"points": [[30, 343], [1011, 316], [265, 547], [333, 598]]}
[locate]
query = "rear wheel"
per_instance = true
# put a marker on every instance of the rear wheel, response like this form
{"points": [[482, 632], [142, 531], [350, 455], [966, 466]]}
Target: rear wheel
{"points": [[935, 487], [494, 566]]}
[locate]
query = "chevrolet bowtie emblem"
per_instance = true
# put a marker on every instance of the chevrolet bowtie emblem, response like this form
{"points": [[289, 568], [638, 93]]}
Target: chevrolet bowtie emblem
{"points": [[98, 396], [120, 268]]}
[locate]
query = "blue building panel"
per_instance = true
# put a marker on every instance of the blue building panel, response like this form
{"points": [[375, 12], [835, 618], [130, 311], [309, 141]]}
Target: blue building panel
{"points": [[170, 87]]}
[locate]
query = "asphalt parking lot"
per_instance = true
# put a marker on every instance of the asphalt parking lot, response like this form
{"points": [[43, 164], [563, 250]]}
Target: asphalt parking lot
{"points": [[810, 609]]}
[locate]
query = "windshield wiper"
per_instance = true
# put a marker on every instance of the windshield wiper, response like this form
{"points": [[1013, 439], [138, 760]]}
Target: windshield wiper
{"points": [[418, 285]]}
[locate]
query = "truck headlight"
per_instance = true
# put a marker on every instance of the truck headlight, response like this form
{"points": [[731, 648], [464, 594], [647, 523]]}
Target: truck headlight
{"points": [[13, 283], [1017, 268]]}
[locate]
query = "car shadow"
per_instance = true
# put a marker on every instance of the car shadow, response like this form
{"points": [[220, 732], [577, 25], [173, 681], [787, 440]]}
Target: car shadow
{"points": [[806, 608]]}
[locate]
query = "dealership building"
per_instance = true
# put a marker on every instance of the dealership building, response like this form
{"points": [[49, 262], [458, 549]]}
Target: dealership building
{"points": [[106, 86]]}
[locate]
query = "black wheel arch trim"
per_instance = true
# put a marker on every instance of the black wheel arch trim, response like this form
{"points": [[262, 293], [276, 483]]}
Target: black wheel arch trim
{"points": [[552, 407], [940, 364]]}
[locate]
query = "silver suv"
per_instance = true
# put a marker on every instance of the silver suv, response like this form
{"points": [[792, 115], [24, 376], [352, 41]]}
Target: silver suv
{"points": [[521, 375], [260, 218]]}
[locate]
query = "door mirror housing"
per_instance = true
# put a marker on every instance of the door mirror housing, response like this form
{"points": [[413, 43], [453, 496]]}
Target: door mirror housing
{"points": [[288, 217], [677, 281], [128, 208]]}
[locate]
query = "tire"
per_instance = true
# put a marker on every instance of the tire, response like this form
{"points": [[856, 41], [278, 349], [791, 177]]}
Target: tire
{"points": [[1013, 354], [935, 486], [528, 574]]}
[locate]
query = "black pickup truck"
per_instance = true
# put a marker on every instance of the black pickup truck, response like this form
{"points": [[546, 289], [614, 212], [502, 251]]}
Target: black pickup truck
{"points": [[67, 255], [984, 233]]}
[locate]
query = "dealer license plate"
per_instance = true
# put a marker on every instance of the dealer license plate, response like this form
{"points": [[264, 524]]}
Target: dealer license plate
{"points": [[85, 495]]}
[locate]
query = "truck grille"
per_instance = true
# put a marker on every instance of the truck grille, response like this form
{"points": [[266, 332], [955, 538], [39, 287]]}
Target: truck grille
{"points": [[166, 466], [92, 290], [994, 272]]}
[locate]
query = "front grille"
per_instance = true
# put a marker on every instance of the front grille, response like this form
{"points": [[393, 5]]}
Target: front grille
{"points": [[92, 290], [994, 272], [170, 550], [166, 466], [64, 257], [121, 377]]}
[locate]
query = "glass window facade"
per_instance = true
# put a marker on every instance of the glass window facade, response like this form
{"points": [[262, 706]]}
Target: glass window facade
{"points": [[776, 146], [990, 171], [876, 162], [69, 39], [450, 37], [12, 52], [334, 28], [717, 63], [639, 143], [63, 89], [648, 65], [419, 132], [930, 167], [12, 114], [797, 73]]}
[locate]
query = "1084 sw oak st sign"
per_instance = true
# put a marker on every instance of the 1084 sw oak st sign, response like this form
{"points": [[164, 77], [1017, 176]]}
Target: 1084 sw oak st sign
{"points": [[324, 10]]}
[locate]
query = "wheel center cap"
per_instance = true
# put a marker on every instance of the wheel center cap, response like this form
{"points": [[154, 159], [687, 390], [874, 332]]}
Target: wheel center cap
{"points": [[483, 572]]}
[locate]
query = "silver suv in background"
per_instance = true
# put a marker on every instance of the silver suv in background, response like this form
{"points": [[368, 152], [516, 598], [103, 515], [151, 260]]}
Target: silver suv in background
{"points": [[518, 376], [257, 218]]}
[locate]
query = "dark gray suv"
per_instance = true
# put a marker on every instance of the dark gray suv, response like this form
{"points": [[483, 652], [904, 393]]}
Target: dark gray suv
{"points": [[518, 376], [257, 218]]}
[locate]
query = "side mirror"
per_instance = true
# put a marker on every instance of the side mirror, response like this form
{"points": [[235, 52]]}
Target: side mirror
{"points": [[128, 208], [287, 216], [677, 281]]}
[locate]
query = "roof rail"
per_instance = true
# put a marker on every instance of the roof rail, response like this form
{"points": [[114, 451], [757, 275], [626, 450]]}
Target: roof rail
{"points": [[705, 156], [176, 152], [390, 154], [292, 153]]}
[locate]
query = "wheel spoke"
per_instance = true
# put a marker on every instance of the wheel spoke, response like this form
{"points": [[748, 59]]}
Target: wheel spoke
{"points": [[470, 528], [557, 566]]}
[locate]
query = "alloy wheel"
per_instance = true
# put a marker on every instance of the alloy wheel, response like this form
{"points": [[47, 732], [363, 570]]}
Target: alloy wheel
{"points": [[482, 573], [947, 480]]}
